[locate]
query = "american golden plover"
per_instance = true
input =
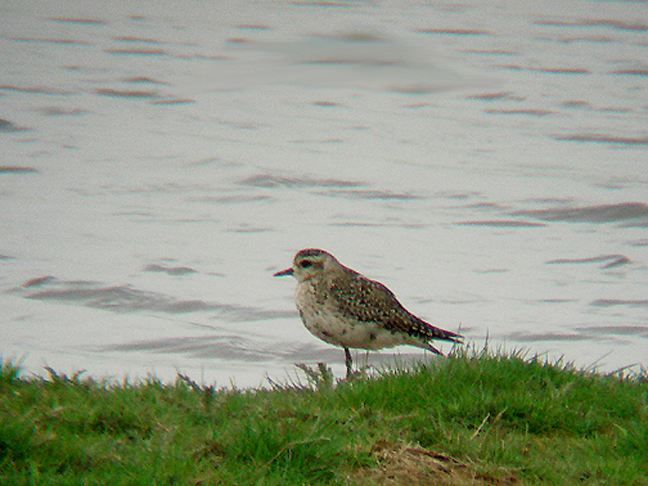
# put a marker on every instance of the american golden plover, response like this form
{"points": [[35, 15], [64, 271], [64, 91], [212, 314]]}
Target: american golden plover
{"points": [[344, 308]]}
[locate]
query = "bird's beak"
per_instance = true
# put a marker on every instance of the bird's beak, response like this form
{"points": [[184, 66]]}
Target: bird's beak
{"points": [[283, 273]]}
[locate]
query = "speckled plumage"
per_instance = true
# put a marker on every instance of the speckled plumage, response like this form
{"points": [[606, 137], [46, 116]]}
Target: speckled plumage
{"points": [[344, 308]]}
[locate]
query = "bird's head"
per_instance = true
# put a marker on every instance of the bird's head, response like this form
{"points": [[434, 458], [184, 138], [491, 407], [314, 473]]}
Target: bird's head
{"points": [[310, 263]]}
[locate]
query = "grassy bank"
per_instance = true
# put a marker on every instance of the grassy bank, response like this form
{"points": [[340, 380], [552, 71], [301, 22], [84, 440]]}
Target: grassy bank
{"points": [[478, 419]]}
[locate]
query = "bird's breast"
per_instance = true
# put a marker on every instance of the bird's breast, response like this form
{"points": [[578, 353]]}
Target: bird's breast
{"points": [[327, 322]]}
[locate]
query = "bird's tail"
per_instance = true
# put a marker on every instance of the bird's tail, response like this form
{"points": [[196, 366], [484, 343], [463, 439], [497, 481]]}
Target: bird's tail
{"points": [[430, 332], [446, 335], [429, 347]]}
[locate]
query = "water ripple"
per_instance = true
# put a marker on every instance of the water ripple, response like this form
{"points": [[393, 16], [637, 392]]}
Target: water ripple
{"points": [[209, 346], [128, 93], [619, 302], [455, 32], [615, 24], [601, 138], [126, 299], [267, 180], [17, 170], [509, 223], [372, 194], [78, 21], [169, 270], [612, 260], [547, 336], [605, 213], [641, 331], [7, 127]]}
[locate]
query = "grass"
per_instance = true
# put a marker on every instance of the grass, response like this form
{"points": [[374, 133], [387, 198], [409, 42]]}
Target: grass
{"points": [[472, 418]]}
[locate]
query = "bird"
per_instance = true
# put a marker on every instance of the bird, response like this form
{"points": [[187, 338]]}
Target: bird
{"points": [[343, 307]]}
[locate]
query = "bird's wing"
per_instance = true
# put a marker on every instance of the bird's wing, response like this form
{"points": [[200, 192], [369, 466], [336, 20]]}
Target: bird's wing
{"points": [[370, 301]]}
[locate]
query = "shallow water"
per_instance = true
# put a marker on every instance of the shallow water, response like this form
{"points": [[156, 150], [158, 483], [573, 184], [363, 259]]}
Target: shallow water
{"points": [[486, 162]]}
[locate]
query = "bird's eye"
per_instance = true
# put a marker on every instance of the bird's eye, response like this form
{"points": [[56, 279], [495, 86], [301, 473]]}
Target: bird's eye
{"points": [[306, 264]]}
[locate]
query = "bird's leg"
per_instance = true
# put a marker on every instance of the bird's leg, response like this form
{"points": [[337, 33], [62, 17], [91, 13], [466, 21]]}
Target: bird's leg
{"points": [[348, 361]]}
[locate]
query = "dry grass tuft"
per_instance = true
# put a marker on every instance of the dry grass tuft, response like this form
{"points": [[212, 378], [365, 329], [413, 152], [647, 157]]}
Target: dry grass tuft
{"points": [[411, 465]]}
